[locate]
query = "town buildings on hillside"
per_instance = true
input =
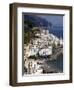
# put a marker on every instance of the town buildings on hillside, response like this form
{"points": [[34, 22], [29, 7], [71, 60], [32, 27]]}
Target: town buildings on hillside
{"points": [[41, 45]]}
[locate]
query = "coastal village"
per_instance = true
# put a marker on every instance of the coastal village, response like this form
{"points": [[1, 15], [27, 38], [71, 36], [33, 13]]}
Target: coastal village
{"points": [[45, 46]]}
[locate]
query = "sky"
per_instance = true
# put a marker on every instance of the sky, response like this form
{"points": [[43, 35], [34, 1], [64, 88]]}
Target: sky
{"points": [[56, 20]]}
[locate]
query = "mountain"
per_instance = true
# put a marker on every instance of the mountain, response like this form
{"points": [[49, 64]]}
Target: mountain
{"points": [[31, 21]]}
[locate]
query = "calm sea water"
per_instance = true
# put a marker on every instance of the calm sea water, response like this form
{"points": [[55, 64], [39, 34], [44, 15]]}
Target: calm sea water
{"points": [[56, 64]]}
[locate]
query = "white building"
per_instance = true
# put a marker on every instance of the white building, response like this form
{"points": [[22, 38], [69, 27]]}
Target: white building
{"points": [[41, 45], [46, 51], [34, 68], [33, 51], [44, 39], [61, 41]]}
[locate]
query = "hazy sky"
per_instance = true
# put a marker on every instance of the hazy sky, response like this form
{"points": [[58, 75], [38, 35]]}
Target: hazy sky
{"points": [[56, 20]]}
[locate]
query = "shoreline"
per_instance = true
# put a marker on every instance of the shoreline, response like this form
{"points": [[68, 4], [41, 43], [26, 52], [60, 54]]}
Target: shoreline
{"points": [[53, 66]]}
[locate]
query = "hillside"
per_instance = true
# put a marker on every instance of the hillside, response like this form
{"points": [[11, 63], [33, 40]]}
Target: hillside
{"points": [[31, 21]]}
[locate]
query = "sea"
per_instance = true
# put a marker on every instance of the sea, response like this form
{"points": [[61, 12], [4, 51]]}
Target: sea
{"points": [[58, 63]]}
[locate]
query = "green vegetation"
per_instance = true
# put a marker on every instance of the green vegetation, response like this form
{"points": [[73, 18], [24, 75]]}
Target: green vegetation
{"points": [[29, 31], [28, 23], [29, 34]]}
